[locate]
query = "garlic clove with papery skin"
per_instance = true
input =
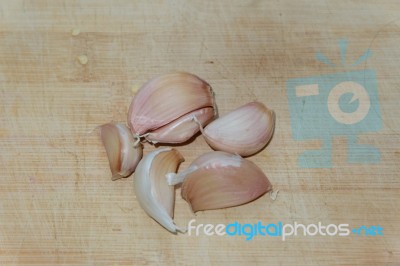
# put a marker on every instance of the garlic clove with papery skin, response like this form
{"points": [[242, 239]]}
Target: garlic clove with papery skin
{"points": [[220, 180], [123, 152], [183, 128], [166, 98], [155, 196], [244, 131]]}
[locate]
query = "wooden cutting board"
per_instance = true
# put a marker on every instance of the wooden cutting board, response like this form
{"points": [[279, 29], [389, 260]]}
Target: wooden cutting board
{"points": [[58, 204]]}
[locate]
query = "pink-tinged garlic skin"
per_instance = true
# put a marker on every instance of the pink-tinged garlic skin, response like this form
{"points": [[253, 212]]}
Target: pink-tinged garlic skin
{"points": [[165, 98], [244, 131], [222, 180], [183, 128], [122, 154]]}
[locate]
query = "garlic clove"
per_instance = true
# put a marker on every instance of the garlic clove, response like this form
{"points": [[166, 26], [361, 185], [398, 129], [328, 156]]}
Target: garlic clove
{"points": [[155, 196], [123, 155], [183, 128], [220, 180], [166, 98], [244, 131]]}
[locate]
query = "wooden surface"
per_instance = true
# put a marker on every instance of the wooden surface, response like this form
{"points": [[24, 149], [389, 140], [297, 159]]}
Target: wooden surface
{"points": [[57, 202]]}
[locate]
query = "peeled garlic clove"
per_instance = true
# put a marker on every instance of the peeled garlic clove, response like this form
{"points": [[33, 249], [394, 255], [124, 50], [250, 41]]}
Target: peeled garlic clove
{"points": [[123, 155], [244, 131], [220, 180], [166, 98], [183, 128], [155, 196]]}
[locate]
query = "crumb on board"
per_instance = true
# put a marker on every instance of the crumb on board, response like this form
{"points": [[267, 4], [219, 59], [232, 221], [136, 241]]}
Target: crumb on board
{"points": [[135, 88], [273, 194], [75, 32], [83, 59]]}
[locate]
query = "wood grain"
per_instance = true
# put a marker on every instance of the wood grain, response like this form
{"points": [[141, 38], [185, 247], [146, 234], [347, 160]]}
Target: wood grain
{"points": [[57, 202]]}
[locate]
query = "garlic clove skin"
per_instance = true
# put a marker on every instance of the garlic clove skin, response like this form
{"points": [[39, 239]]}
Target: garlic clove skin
{"points": [[220, 180], [165, 98], [244, 131], [155, 196], [123, 155], [183, 128]]}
